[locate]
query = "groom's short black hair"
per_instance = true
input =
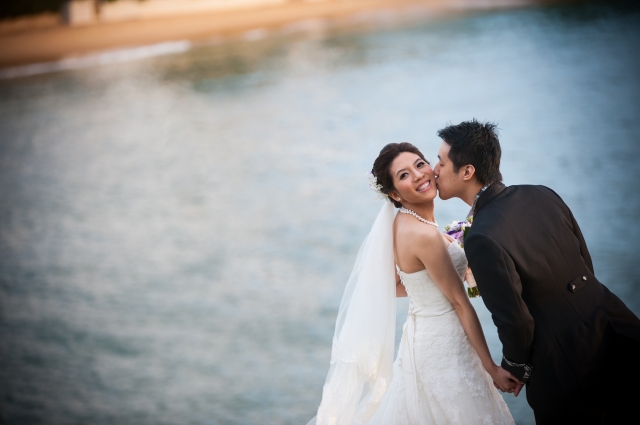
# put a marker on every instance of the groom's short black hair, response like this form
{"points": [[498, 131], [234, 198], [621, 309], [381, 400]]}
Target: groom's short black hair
{"points": [[475, 143]]}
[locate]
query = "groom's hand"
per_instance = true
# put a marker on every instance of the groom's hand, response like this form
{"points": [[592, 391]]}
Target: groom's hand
{"points": [[518, 388]]}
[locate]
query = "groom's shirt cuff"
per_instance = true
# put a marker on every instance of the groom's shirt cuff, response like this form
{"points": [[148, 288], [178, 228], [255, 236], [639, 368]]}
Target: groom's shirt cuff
{"points": [[522, 371]]}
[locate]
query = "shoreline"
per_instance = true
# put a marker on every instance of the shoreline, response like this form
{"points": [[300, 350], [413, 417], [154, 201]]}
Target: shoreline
{"points": [[47, 45]]}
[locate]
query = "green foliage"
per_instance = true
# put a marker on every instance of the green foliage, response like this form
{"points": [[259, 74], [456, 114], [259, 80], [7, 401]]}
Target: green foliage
{"points": [[473, 292], [15, 8]]}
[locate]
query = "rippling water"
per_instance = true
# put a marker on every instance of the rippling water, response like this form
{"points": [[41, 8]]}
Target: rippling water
{"points": [[176, 232]]}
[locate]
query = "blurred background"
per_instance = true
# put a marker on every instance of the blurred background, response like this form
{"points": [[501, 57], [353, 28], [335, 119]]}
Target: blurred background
{"points": [[178, 221]]}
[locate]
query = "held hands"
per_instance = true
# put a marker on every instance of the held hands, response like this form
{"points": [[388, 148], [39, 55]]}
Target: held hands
{"points": [[506, 382], [517, 390]]}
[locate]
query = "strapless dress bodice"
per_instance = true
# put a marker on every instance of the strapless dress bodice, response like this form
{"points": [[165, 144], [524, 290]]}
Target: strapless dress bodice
{"points": [[426, 297]]}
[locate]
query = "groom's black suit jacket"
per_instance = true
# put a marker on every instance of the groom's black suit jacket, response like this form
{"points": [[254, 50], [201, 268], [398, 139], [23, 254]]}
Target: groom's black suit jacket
{"points": [[535, 275]]}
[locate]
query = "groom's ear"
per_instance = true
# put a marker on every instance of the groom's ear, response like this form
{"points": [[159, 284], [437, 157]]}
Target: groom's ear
{"points": [[468, 172]]}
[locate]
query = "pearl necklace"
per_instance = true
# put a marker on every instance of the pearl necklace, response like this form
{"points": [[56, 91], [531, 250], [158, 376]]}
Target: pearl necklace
{"points": [[415, 214]]}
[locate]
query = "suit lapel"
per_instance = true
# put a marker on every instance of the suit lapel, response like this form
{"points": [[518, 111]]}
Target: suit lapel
{"points": [[491, 192]]}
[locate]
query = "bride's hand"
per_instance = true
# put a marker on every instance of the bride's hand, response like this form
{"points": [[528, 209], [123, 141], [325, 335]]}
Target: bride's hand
{"points": [[505, 381]]}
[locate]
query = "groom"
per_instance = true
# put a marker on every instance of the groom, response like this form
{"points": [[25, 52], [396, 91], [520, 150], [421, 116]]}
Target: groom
{"points": [[573, 342]]}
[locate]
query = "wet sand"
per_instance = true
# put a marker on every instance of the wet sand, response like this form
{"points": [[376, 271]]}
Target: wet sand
{"points": [[57, 42]]}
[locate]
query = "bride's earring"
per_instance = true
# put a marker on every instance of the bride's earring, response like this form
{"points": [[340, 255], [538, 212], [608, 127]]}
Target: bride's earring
{"points": [[395, 197]]}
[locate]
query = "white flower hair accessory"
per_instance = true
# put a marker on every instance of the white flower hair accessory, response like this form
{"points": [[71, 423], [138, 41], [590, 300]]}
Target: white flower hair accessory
{"points": [[373, 185]]}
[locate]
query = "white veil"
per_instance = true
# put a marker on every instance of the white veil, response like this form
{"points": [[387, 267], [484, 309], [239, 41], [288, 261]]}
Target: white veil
{"points": [[362, 353]]}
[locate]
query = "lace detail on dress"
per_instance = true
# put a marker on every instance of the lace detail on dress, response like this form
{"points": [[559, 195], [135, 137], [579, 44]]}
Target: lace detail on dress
{"points": [[452, 377]]}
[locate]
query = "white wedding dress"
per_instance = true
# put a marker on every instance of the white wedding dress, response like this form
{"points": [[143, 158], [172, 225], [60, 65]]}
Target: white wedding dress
{"points": [[438, 377]]}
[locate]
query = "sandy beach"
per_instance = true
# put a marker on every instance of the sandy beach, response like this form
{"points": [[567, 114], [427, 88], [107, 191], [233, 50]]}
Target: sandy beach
{"points": [[55, 42]]}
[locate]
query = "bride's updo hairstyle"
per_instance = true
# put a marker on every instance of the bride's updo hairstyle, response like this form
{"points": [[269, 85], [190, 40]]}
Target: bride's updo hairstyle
{"points": [[381, 166]]}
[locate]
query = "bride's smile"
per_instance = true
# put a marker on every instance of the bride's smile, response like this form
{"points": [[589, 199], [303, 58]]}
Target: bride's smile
{"points": [[424, 187]]}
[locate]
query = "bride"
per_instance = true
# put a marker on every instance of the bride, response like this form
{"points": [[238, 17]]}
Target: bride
{"points": [[443, 373]]}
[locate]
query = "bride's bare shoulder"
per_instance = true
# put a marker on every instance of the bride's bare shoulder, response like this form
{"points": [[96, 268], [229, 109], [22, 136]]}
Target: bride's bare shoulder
{"points": [[409, 230]]}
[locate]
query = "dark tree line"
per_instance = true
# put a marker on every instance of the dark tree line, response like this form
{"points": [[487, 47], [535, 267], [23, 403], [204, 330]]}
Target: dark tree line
{"points": [[15, 8]]}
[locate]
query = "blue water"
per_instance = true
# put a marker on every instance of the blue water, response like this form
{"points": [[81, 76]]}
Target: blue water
{"points": [[176, 232]]}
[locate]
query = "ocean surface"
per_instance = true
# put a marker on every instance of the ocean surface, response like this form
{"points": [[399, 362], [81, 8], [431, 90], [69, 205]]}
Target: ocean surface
{"points": [[176, 231]]}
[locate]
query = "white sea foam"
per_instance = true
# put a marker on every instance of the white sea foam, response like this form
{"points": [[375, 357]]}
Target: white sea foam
{"points": [[97, 59]]}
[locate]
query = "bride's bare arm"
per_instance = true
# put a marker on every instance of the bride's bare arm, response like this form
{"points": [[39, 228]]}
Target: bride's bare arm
{"points": [[432, 251], [401, 291]]}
